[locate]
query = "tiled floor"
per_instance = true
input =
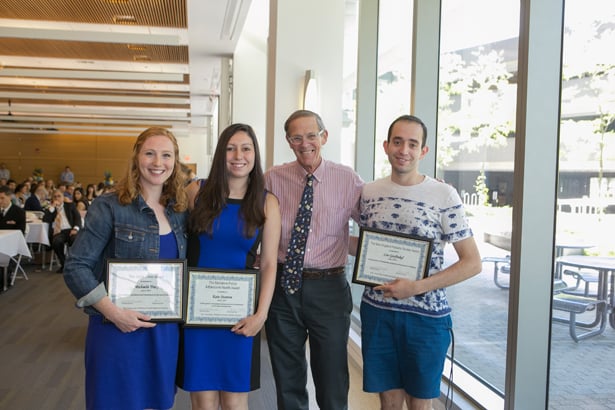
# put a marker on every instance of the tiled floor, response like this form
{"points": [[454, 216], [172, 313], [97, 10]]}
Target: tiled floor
{"points": [[581, 374]]}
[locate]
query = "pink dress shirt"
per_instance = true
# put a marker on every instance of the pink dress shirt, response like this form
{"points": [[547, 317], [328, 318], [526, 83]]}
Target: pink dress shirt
{"points": [[337, 192]]}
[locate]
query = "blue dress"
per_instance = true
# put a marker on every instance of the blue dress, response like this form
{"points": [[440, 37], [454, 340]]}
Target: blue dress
{"points": [[132, 371], [216, 358]]}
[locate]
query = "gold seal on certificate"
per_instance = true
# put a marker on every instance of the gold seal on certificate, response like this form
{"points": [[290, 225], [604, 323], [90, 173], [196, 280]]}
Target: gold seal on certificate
{"points": [[383, 256], [153, 288], [220, 298]]}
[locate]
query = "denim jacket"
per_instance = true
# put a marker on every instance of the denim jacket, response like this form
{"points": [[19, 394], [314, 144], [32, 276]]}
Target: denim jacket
{"points": [[113, 230]]}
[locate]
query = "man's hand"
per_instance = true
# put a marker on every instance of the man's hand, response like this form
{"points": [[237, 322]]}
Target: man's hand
{"points": [[400, 289]]}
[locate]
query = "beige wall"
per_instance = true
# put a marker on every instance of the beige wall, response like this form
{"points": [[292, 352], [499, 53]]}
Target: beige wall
{"points": [[88, 156], [304, 35]]}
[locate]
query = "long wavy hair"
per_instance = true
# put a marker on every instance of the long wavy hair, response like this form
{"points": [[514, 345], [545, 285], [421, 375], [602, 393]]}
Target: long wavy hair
{"points": [[212, 197], [129, 187]]}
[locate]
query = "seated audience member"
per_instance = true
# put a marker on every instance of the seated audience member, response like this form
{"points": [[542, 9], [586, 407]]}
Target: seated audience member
{"points": [[82, 207], [50, 186], [27, 191], [79, 199], [21, 195], [78, 194], [90, 193], [64, 224], [37, 201], [63, 188], [11, 216], [11, 183], [83, 210], [43, 184], [68, 194], [105, 188], [100, 188], [189, 173], [37, 185]]}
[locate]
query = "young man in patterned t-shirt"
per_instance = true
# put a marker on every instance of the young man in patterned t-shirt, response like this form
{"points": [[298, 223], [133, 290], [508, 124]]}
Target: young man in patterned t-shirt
{"points": [[406, 325]]}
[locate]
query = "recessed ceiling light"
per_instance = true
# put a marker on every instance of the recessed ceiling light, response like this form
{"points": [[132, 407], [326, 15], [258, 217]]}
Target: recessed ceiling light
{"points": [[126, 19], [142, 57]]}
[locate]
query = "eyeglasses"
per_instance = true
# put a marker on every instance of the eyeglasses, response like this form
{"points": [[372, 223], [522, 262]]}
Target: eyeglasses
{"points": [[298, 139]]}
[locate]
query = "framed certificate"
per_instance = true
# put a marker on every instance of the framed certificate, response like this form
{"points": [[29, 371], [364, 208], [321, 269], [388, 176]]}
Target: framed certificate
{"points": [[383, 256], [154, 288], [220, 298]]}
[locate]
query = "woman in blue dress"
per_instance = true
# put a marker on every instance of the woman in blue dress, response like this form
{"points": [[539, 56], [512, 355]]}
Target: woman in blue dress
{"points": [[130, 362], [232, 217]]}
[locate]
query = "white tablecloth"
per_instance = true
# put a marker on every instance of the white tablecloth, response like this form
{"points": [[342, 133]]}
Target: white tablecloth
{"points": [[38, 232], [12, 242]]}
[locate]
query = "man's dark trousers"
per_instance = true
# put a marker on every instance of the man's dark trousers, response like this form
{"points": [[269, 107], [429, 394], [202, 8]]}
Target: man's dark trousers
{"points": [[321, 310]]}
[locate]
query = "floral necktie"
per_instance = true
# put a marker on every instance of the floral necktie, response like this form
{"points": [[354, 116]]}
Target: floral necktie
{"points": [[293, 265]]}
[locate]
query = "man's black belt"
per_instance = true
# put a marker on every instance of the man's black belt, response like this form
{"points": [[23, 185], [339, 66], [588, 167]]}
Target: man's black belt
{"points": [[310, 273]]}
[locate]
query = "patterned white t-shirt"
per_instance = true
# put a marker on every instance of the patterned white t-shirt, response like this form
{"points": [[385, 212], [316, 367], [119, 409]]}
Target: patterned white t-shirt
{"points": [[431, 209]]}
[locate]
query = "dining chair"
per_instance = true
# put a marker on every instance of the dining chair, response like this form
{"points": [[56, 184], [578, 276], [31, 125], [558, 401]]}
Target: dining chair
{"points": [[18, 268], [5, 262], [53, 259]]}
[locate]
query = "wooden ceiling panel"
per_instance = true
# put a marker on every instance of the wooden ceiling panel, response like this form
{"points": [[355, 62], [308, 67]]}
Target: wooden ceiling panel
{"points": [[76, 62], [156, 13], [93, 51]]}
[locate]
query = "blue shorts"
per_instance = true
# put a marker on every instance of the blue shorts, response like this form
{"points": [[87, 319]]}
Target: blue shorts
{"points": [[403, 351]]}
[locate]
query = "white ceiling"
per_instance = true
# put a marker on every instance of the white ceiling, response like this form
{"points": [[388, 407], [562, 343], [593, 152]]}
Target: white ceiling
{"points": [[72, 66]]}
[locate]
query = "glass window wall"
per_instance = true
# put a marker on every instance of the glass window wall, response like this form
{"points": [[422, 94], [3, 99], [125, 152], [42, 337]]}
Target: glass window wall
{"points": [[581, 371], [393, 85], [475, 153], [394, 73]]}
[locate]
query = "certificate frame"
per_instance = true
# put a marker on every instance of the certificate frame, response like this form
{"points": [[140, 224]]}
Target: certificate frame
{"points": [[383, 256], [220, 297], [152, 287]]}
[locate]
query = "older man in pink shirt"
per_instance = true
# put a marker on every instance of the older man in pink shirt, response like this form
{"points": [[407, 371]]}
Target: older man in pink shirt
{"points": [[312, 298]]}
